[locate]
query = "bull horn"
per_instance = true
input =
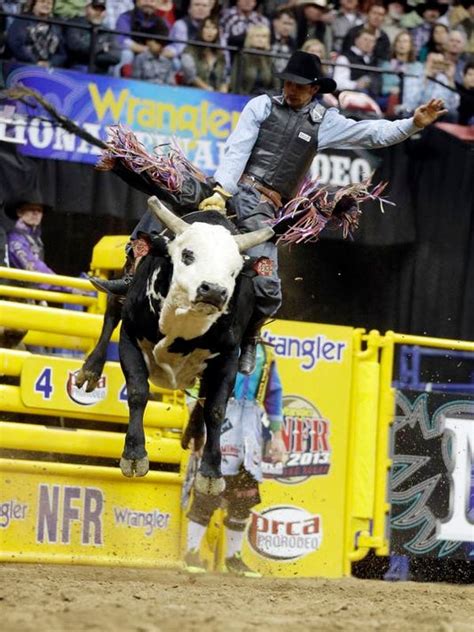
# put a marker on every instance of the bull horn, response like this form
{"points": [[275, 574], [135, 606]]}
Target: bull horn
{"points": [[167, 217], [255, 238]]}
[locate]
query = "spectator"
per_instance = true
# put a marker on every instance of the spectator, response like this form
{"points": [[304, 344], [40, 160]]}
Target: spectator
{"points": [[436, 43], [283, 37], [430, 11], [25, 246], [402, 97], [36, 42], [256, 72], [311, 20], [142, 18], [466, 26], [392, 25], [346, 18], [242, 445], [187, 28], [438, 68], [202, 67], [466, 93], [78, 42], [315, 47], [373, 24], [455, 52], [153, 65], [362, 54], [237, 20]]}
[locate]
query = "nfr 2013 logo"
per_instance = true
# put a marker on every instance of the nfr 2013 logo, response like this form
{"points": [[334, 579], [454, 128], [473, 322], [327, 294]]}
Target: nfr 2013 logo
{"points": [[80, 396], [306, 438], [284, 532]]}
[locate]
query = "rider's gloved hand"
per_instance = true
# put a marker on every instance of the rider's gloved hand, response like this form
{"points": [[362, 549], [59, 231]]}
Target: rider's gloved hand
{"points": [[217, 201]]}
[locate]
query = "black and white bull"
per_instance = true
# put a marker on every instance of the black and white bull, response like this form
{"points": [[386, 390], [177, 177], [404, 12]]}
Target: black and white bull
{"points": [[184, 316]]}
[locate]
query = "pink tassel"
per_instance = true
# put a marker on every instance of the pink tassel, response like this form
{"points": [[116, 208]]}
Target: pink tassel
{"points": [[167, 169], [315, 208]]}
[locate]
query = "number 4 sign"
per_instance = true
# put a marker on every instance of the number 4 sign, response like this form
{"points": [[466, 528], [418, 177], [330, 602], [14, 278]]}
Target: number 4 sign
{"points": [[44, 384]]}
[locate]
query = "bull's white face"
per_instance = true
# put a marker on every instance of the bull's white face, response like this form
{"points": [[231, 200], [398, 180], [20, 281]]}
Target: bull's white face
{"points": [[206, 263]]}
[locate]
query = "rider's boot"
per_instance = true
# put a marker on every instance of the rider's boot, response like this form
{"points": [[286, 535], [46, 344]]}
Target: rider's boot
{"points": [[248, 348]]}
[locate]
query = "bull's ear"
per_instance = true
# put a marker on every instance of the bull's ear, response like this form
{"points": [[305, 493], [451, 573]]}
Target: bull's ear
{"points": [[255, 238], [166, 217]]}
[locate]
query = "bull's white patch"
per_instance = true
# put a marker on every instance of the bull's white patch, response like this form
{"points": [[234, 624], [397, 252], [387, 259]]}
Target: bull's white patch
{"points": [[285, 532], [80, 396]]}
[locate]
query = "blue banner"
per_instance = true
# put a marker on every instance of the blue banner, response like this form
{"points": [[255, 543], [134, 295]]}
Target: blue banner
{"points": [[200, 121]]}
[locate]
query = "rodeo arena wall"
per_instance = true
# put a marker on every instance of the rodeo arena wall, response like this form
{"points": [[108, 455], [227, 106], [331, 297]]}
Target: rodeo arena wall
{"points": [[379, 459]]}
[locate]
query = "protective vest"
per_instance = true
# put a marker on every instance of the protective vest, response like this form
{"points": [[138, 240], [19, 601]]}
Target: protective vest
{"points": [[286, 145]]}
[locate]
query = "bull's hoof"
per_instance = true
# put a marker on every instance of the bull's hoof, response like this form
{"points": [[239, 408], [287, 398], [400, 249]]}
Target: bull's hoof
{"points": [[134, 467], [84, 376], [189, 436], [210, 486]]}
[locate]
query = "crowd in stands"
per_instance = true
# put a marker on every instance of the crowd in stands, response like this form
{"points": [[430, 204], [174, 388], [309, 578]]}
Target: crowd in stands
{"points": [[429, 43]]}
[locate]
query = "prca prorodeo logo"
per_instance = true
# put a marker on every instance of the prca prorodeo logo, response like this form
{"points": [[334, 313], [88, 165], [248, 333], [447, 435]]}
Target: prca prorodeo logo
{"points": [[80, 396], [284, 532], [306, 438]]}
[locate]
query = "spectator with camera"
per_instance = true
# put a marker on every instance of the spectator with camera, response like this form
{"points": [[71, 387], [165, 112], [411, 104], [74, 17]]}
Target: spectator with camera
{"points": [[79, 41], [439, 83]]}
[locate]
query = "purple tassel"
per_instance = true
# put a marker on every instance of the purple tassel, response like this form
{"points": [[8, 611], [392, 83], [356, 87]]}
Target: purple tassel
{"points": [[315, 208], [168, 169]]}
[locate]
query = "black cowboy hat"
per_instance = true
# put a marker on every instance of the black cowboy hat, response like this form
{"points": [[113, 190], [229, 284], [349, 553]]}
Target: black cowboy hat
{"points": [[305, 68], [433, 5], [12, 206]]}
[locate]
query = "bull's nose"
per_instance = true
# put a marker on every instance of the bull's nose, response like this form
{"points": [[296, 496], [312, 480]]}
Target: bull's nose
{"points": [[211, 293]]}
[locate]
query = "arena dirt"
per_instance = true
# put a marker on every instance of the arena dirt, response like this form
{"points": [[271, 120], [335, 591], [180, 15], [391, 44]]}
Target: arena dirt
{"points": [[63, 598]]}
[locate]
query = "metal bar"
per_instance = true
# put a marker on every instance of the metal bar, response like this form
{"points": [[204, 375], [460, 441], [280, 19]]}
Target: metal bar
{"points": [[51, 296], [40, 277], [442, 343], [51, 341], [386, 411], [157, 414], [77, 441], [11, 362], [99, 472], [52, 320]]}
